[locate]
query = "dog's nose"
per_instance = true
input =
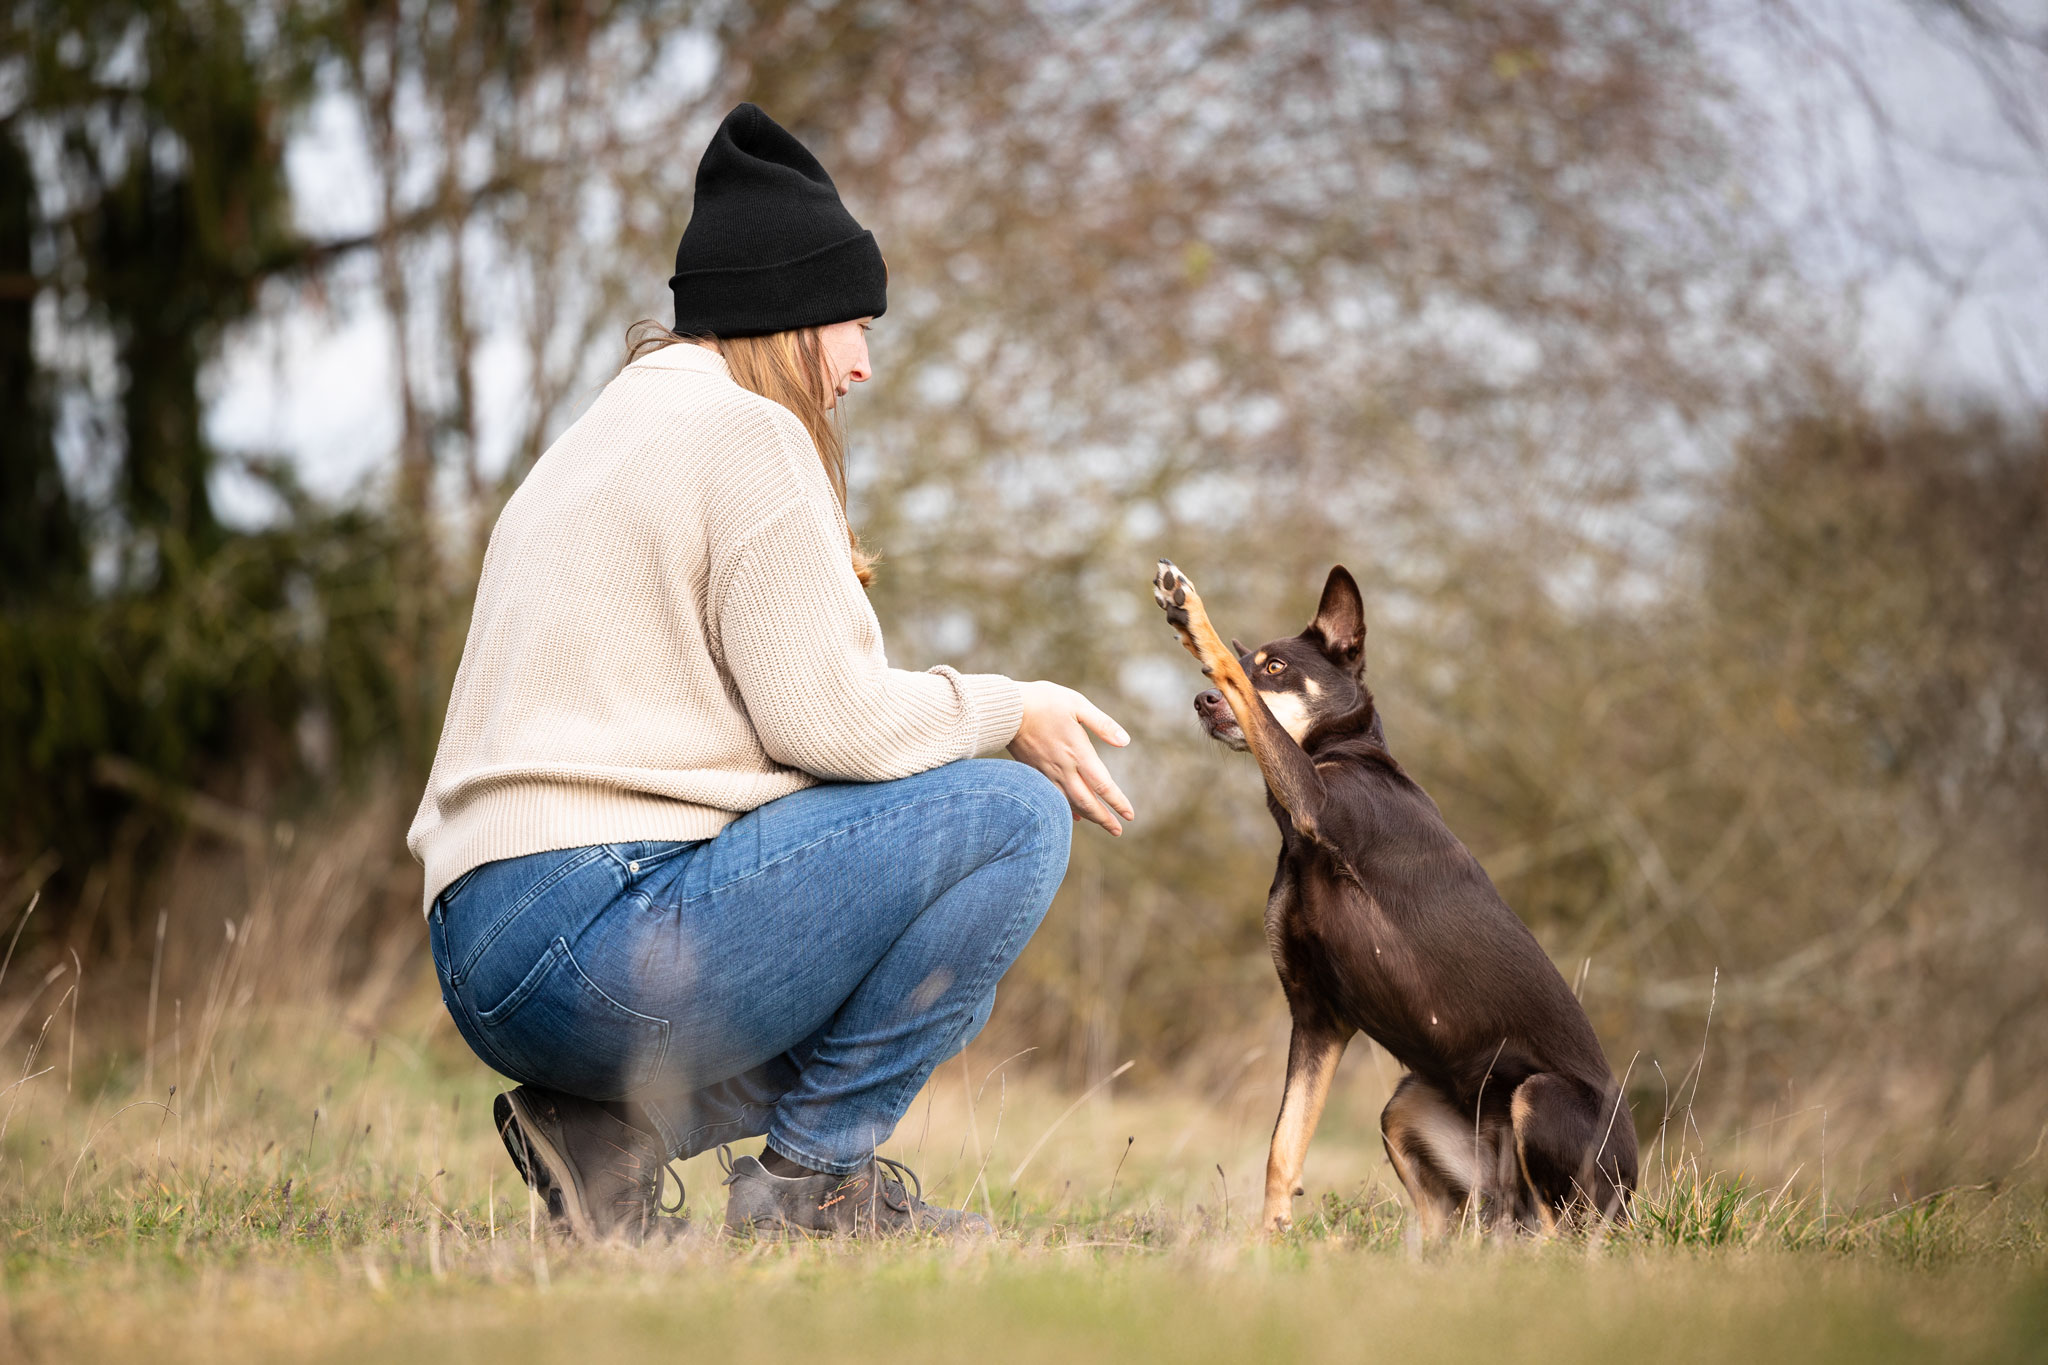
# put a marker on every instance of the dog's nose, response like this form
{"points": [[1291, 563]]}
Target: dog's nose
{"points": [[1209, 701]]}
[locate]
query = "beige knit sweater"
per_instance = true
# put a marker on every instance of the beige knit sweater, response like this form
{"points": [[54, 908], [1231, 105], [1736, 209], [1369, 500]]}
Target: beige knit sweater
{"points": [[668, 633]]}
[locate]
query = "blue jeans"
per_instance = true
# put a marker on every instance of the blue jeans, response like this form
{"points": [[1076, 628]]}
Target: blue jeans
{"points": [[800, 975]]}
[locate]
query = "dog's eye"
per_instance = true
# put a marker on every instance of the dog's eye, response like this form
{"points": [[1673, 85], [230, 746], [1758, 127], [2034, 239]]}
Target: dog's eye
{"points": [[1275, 666]]}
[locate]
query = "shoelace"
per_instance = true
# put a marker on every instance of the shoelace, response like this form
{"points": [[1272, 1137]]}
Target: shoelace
{"points": [[674, 1169], [650, 1192], [682, 1194], [905, 1179], [672, 1166]]}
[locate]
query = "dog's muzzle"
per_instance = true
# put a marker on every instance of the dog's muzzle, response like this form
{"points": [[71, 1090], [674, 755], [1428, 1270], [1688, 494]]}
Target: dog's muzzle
{"points": [[1218, 719]]}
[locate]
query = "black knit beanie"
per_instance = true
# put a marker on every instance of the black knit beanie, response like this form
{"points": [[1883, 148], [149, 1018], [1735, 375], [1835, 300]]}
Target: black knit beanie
{"points": [[769, 247]]}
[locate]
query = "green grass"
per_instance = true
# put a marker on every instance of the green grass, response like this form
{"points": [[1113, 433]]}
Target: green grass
{"points": [[226, 1221], [398, 1295]]}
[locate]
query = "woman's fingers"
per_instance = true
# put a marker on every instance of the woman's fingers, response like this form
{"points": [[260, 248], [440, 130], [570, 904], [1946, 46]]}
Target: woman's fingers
{"points": [[1097, 779], [1086, 804], [1093, 774], [1053, 738], [1096, 719]]}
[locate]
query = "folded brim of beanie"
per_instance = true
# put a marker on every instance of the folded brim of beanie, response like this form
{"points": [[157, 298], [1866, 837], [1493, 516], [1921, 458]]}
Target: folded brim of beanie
{"points": [[837, 283]]}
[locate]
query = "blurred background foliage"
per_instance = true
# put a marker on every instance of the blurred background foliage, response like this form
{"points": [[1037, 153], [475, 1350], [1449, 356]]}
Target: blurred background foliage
{"points": [[1732, 667]]}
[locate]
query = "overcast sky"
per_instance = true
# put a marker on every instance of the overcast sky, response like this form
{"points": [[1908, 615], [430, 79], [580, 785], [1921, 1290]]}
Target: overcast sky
{"points": [[1913, 187], [1909, 168]]}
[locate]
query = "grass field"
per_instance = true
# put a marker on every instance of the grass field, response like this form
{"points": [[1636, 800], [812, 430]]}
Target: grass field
{"points": [[290, 1187]]}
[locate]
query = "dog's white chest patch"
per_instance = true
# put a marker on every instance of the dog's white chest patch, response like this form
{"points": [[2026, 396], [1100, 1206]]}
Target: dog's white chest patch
{"points": [[1290, 710]]}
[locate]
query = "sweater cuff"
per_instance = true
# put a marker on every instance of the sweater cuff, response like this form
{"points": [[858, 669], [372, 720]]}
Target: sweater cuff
{"points": [[995, 709]]}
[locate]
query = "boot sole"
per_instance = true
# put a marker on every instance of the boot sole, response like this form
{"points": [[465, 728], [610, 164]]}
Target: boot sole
{"points": [[539, 1148], [780, 1230], [765, 1231]]}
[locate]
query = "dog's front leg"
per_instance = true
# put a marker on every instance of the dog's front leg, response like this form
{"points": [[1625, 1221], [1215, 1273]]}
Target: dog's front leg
{"points": [[1312, 1056], [1289, 772]]}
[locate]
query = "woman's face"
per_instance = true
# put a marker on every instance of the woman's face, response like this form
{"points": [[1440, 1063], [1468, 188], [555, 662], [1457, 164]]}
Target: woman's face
{"points": [[844, 346]]}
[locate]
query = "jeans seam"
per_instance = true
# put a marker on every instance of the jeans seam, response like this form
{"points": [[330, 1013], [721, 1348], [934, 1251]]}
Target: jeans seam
{"points": [[664, 1027], [454, 888], [641, 864], [694, 1142], [797, 1152], [496, 1060], [583, 858], [1004, 951], [896, 1098], [467, 1025], [479, 1036], [662, 1131], [857, 824], [560, 956]]}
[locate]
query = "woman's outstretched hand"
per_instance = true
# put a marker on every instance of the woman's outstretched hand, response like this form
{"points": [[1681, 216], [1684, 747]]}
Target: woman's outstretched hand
{"points": [[1052, 740]]}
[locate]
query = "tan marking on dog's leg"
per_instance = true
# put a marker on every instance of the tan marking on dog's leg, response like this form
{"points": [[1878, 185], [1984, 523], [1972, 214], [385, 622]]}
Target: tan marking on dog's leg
{"points": [[1198, 636], [1432, 1213], [1518, 1113], [1290, 776], [1311, 1064], [1432, 1151]]}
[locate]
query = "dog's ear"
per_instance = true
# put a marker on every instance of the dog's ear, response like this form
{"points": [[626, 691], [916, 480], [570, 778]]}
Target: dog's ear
{"points": [[1237, 649], [1339, 627]]}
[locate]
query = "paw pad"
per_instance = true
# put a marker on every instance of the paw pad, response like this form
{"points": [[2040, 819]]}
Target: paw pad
{"points": [[1170, 589]]}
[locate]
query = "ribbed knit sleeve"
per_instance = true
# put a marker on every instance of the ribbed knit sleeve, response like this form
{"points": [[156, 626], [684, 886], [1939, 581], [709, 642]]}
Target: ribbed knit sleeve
{"points": [[668, 632], [804, 647]]}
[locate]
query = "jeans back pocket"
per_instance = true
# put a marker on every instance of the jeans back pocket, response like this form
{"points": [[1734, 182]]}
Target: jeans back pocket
{"points": [[558, 1028]]}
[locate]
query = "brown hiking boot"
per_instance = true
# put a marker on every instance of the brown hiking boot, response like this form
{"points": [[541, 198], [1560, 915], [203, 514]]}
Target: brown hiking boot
{"points": [[598, 1176], [874, 1201]]}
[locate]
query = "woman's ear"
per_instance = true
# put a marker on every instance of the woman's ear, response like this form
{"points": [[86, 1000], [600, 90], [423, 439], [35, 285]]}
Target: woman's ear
{"points": [[1339, 626]]}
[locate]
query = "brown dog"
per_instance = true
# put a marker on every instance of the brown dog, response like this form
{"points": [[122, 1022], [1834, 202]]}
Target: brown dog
{"points": [[1380, 921]]}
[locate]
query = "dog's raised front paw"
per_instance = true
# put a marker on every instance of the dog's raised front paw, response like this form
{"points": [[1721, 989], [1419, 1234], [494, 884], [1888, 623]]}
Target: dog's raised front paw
{"points": [[1171, 590], [1177, 597], [1183, 607]]}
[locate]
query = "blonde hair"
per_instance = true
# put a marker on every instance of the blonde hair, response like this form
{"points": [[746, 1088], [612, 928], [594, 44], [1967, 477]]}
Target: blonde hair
{"points": [[786, 368]]}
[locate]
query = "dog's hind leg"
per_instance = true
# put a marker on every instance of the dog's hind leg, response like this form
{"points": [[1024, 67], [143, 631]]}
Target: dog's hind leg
{"points": [[1312, 1056], [1434, 1151], [1576, 1148]]}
